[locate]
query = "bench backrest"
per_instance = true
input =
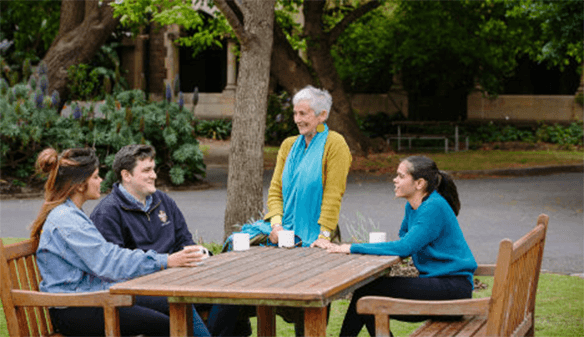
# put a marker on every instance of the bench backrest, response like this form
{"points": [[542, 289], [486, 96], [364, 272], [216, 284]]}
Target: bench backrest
{"points": [[18, 270], [515, 283]]}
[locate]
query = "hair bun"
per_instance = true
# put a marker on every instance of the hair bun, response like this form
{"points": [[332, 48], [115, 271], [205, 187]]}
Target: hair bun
{"points": [[47, 160]]}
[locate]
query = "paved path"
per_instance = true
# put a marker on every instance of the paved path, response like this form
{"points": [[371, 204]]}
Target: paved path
{"points": [[492, 209]]}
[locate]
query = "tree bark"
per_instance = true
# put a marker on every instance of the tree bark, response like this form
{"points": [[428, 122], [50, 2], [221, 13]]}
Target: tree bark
{"points": [[84, 28], [246, 156], [293, 74]]}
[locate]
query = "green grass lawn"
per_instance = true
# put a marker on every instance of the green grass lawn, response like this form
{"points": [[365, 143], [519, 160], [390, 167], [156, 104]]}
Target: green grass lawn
{"points": [[470, 160], [559, 309]]}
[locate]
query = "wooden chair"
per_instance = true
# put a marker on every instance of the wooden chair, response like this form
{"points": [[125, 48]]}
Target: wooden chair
{"points": [[26, 308], [508, 312]]}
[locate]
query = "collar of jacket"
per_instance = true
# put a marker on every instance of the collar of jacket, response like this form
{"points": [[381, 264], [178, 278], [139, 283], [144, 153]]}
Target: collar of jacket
{"points": [[129, 205]]}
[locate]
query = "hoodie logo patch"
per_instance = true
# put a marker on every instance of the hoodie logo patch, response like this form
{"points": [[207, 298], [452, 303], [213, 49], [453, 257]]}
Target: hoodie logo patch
{"points": [[163, 217]]}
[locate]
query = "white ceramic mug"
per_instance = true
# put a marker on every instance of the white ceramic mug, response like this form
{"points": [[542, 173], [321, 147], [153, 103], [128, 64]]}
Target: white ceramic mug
{"points": [[240, 241], [375, 237], [286, 239], [205, 251]]}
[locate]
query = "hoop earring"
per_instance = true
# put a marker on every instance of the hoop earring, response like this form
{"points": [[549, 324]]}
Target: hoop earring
{"points": [[320, 128]]}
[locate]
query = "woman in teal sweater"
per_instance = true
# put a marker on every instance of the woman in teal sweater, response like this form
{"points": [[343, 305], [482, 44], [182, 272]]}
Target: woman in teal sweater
{"points": [[430, 234]]}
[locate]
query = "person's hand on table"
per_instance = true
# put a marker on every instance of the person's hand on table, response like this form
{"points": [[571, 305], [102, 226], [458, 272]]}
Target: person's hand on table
{"points": [[322, 243], [344, 248], [190, 256], [274, 233]]}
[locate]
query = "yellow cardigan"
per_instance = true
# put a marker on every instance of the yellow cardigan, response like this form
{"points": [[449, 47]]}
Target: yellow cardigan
{"points": [[335, 168]]}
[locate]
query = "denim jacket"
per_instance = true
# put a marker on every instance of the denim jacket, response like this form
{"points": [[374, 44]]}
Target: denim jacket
{"points": [[74, 257]]}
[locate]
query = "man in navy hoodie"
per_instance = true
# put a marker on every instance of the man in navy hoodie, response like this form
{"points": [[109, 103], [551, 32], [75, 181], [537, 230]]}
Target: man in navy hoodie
{"points": [[137, 215]]}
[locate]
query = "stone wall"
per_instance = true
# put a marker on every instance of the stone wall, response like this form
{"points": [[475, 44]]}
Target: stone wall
{"points": [[525, 107], [515, 107]]}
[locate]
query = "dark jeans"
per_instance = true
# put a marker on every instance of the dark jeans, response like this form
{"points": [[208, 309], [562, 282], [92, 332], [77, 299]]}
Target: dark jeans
{"points": [[148, 316], [417, 288]]}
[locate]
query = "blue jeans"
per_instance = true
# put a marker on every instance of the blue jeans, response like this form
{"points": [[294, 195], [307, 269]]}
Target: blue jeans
{"points": [[148, 316], [416, 288]]}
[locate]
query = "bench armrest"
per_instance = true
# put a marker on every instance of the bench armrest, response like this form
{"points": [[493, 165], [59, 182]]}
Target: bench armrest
{"points": [[376, 305], [485, 270], [27, 298]]}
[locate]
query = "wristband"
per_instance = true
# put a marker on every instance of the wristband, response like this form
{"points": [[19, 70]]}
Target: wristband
{"points": [[325, 235]]}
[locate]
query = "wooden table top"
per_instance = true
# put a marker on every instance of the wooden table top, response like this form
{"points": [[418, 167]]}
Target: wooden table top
{"points": [[301, 277]]}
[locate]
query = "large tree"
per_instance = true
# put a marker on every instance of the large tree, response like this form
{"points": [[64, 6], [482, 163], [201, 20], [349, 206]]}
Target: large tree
{"points": [[84, 27], [252, 22], [249, 21]]}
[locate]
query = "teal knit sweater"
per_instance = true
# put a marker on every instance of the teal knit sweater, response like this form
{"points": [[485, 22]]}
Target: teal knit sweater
{"points": [[432, 237]]}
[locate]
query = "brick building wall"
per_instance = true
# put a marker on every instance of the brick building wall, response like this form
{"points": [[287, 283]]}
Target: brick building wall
{"points": [[156, 66]]}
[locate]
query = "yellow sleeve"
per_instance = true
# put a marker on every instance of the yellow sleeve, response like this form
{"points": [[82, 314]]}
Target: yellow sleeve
{"points": [[275, 200], [336, 166]]}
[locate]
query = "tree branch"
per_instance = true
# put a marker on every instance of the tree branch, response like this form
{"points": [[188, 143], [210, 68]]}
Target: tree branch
{"points": [[234, 16], [337, 30]]}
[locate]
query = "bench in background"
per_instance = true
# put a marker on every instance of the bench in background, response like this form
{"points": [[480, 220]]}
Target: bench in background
{"points": [[415, 136]]}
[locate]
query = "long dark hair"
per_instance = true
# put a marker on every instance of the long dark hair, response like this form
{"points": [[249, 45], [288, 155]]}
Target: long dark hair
{"points": [[66, 172], [425, 168]]}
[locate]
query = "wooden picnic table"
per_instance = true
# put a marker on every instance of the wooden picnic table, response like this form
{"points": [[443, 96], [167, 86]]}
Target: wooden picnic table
{"points": [[266, 277]]}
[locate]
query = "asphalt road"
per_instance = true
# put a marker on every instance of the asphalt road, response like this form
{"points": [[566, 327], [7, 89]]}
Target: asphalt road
{"points": [[492, 209]]}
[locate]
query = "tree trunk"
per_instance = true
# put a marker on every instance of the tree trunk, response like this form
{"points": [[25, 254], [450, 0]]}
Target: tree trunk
{"points": [[84, 28], [287, 67], [246, 157]]}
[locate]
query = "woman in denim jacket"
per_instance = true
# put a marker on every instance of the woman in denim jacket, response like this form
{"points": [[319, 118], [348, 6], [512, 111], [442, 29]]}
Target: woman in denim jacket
{"points": [[72, 256]]}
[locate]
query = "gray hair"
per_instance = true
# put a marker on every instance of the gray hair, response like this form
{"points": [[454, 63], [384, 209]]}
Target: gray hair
{"points": [[318, 99]]}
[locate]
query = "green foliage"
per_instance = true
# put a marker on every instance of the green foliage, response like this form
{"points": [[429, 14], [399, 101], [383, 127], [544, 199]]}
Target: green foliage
{"points": [[555, 134], [378, 124], [29, 124], [31, 26], [134, 14], [24, 125], [443, 45], [280, 119], [363, 53], [579, 99], [219, 129], [557, 28], [94, 81]]}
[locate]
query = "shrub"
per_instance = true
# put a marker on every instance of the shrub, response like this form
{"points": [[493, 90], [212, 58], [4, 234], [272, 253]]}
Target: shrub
{"points": [[219, 129], [557, 134], [26, 127], [378, 124], [280, 119]]}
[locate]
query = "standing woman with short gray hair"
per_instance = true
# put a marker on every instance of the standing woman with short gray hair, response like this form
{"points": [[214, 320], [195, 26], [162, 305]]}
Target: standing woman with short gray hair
{"points": [[310, 176]]}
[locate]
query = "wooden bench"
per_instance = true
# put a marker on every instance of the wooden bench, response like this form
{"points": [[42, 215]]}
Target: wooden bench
{"points": [[414, 136], [26, 308], [409, 137], [508, 312]]}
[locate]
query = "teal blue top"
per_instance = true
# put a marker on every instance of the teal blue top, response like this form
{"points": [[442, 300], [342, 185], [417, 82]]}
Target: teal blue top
{"points": [[432, 236]]}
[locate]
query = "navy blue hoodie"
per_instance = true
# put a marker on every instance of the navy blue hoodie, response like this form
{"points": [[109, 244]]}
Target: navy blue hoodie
{"points": [[162, 228]]}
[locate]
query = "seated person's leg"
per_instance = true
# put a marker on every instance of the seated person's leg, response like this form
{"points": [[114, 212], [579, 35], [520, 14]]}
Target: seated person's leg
{"points": [[223, 321], [139, 320], [415, 288], [157, 303], [89, 321], [66, 321]]}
